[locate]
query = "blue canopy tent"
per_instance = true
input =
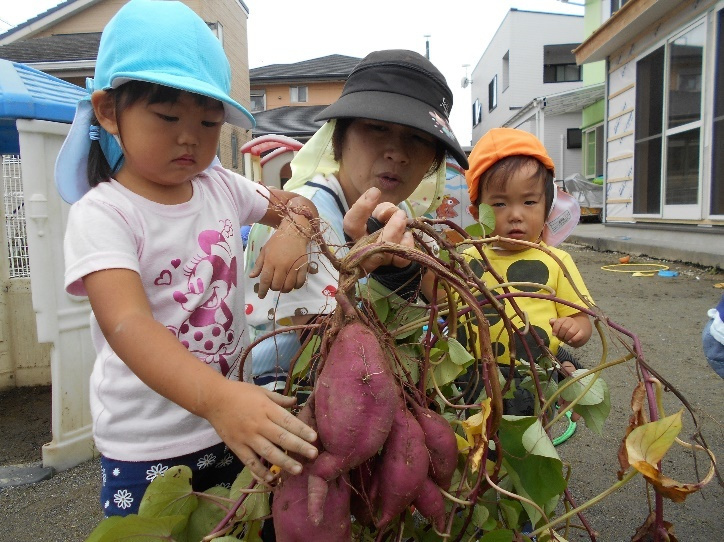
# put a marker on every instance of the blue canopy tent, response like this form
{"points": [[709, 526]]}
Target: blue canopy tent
{"points": [[26, 93]]}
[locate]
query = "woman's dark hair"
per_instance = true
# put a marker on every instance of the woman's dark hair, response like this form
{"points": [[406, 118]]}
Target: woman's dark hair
{"points": [[99, 170], [499, 173], [340, 131]]}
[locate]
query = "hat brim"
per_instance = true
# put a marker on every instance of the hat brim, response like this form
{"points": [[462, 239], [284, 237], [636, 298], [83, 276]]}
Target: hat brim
{"points": [[398, 109], [234, 112]]}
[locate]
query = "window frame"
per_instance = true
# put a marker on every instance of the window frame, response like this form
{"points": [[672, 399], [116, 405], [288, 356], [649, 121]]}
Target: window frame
{"points": [[257, 93], [294, 94], [493, 93], [690, 211]]}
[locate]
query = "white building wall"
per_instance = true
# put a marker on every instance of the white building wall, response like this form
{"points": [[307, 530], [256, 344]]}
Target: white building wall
{"points": [[621, 103], [567, 161], [523, 34]]}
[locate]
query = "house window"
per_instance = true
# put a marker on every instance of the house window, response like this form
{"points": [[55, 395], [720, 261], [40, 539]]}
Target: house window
{"points": [[574, 139], [506, 70], [559, 64], [493, 94], [561, 73], [668, 131], [477, 113], [218, 31], [258, 100], [298, 94], [616, 5], [234, 151], [716, 205], [593, 152]]}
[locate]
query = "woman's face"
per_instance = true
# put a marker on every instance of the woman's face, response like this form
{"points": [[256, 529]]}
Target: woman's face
{"points": [[392, 157]]}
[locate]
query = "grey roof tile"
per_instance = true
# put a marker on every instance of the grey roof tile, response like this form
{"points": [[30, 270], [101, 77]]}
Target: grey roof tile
{"points": [[326, 67], [57, 48], [291, 121]]}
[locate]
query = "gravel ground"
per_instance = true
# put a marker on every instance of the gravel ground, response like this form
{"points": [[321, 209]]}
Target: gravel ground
{"points": [[666, 313]]}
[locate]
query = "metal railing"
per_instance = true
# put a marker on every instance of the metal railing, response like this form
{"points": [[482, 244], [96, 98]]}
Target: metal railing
{"points": [[14, 201]]}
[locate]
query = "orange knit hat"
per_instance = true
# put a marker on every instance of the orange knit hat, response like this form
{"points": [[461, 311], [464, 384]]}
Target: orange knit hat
{"points": [[497, 144]]}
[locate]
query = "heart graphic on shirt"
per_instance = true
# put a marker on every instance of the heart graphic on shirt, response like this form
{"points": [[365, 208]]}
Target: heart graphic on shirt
{"points": [[163, 279], [176, 263]]}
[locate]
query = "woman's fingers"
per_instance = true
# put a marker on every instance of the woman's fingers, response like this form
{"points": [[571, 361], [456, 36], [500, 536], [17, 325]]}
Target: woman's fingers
{"points": [[355, 221]]}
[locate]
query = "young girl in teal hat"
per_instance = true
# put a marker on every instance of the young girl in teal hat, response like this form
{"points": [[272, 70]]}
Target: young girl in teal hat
{"points": [[153, 241]]}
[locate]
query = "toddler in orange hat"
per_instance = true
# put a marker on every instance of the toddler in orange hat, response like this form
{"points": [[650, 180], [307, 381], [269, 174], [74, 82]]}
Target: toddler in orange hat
{"points": [[511, 171]]}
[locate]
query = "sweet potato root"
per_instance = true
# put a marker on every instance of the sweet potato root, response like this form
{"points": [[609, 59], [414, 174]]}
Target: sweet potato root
{"points": [[403, 467], [431, 505], [355, 400], [441, 444]]}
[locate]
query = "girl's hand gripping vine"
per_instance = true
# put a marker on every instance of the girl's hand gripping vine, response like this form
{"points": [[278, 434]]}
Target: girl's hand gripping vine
{"points": [[282, 263]]}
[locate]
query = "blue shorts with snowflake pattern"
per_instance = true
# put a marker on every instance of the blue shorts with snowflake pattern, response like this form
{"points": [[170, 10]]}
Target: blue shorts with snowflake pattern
{"points": [[125, 482]]}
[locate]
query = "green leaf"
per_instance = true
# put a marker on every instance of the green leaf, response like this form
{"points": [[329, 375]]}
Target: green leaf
{"points": [[593, 396], [480, 516], [409, 355], [511, 510], [548, 386], [486, 217], [529, 453], [302, 363], [444, 255], [595, 415], [135, 528], [476, 230], [445, 372], [382, 309], [169, 494], [501, 535], [458, 354], [256, 505], [207, 515], [103, 527]]}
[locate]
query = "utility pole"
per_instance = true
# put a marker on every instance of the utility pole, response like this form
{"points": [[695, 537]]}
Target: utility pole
{"points": [[427, 46]]}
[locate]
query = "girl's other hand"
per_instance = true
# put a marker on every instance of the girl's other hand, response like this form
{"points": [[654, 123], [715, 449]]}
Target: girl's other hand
{"points": [[256, 425]]}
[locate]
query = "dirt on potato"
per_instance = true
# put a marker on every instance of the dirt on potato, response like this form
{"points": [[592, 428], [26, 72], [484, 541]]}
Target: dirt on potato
{"points": [[666, 313]]}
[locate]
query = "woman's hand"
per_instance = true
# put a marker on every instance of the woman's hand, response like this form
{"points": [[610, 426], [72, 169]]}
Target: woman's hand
{"points": [[394, 219]]}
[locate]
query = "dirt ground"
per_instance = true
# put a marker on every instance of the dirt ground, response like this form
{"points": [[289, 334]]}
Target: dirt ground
{"points": [[667, 314]]}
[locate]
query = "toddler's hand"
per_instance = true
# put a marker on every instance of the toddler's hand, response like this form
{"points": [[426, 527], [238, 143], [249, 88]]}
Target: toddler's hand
{"points": [[255, 425], [282, 262], [569, 331]]}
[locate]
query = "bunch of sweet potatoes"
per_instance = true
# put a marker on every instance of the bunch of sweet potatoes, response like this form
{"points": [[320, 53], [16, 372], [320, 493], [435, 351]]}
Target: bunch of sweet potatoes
{"points": [[378, 456]]}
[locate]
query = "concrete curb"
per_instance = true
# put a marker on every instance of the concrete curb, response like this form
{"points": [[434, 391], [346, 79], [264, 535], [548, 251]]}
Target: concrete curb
{"points": [[20, 475]]}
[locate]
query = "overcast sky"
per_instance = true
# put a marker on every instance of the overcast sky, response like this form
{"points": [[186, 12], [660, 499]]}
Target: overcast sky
{"points": [[283, 31]]}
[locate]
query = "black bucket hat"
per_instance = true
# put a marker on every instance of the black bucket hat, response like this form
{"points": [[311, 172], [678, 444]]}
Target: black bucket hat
{"points": [[402, 87]]}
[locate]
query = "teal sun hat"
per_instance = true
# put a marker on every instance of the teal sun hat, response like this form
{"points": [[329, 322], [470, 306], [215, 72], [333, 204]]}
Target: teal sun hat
{"points": [[156, 41]]}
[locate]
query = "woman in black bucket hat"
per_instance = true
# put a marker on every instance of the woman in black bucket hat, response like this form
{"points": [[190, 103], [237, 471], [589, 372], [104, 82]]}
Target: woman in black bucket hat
{"points": [[382, 152]]}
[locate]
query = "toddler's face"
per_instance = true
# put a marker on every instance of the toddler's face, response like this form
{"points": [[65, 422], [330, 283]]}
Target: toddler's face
{"points": [[167, 144], [519, 206]]}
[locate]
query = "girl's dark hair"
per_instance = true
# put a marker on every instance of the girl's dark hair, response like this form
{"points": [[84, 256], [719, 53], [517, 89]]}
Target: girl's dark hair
{"points": [[99, 170], [340, 131], [499, 173]]}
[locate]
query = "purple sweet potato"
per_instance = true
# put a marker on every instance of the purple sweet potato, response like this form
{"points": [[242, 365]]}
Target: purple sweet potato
{"points": [[441, 443], [403, 467], [356, 396], [431, 505], [289, 509], [291, 522]]}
